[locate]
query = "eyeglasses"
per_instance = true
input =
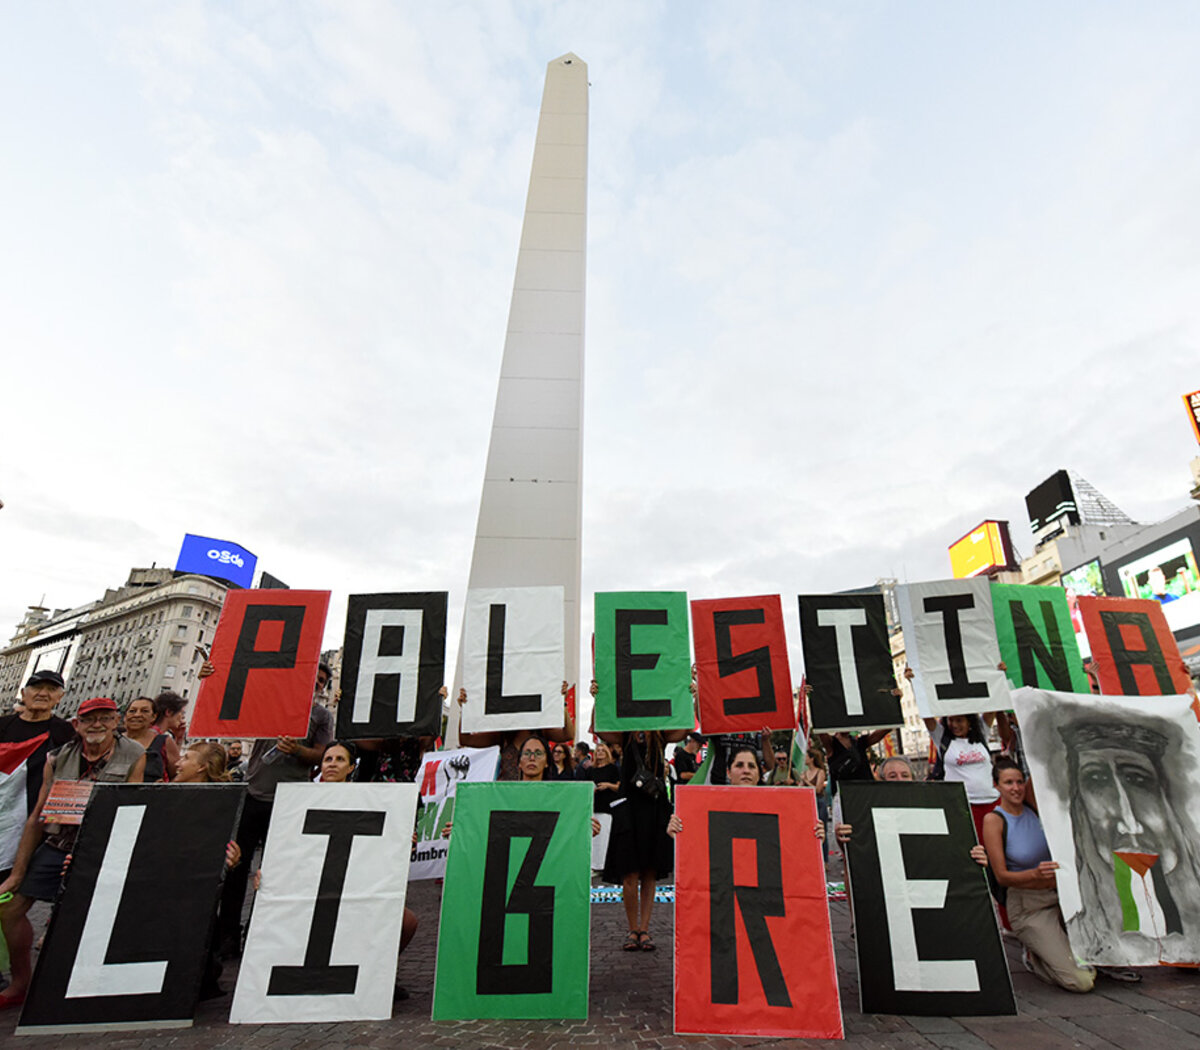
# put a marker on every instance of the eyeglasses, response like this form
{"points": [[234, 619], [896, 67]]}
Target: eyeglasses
{"points": [[97, 716], [533, 754]]}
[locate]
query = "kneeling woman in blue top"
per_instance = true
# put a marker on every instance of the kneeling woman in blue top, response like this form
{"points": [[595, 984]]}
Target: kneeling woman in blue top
{"points": [[1020, 860]]}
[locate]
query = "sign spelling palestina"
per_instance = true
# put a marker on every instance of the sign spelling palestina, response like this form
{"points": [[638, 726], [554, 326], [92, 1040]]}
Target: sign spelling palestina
{"points": [[514, 935], [438, 779], [1117, 788], [753, 949], [934, 949], [1037, 638], [643, 661]]}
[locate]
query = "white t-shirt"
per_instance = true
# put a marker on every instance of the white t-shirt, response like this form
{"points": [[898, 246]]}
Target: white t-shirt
{"points": [[968, 764]]}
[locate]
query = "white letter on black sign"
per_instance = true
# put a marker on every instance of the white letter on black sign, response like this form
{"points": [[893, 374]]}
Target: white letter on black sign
{"points": [[407, 665], [901, 895], [842, 620], [91, 975]]}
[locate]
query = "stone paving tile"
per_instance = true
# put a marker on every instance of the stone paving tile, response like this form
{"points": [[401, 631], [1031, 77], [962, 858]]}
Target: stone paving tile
{"points": [[1140, 1032]]}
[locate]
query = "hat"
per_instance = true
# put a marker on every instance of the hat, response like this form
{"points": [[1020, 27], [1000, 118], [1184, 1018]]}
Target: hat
{"points": [[97, 703], [696, 737], [53, 677]]}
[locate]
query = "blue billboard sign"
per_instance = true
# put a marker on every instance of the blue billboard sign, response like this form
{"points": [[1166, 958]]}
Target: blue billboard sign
{"points": [[220, 558]]}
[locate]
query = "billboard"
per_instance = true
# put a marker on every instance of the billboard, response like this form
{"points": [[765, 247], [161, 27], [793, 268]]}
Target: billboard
{"points": [[1192, 401], [1084, 581], [1054, 498], [212, 557], [1167, 574], [986, 548]]}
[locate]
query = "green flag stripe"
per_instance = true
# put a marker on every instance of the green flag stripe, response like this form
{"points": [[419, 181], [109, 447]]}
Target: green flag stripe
{"points": [[1123, 875]]}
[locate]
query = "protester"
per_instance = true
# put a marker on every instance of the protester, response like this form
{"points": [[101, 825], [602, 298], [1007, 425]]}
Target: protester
{"points": [[233, 761], [606, 777], [563, 766], [534, 761], [170, 716], [393, 760], [964, 758], [272, 762], [162, 753], [583, 759], [847, 757], [338, 762], [33, 724], [511, 743], [815, 777], [1020, 861], [687, 758], [97, 754]]}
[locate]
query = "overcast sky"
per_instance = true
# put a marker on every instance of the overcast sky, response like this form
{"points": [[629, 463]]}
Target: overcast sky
{"points": [[859, 277]]}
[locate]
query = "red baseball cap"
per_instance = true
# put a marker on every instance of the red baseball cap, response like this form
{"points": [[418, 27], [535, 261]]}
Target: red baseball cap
{"points": [[97, 703]]}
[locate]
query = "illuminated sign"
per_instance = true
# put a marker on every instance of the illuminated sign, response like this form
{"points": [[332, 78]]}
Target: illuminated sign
{"points": [[210, 557], [1192, 401], [986, 548]]}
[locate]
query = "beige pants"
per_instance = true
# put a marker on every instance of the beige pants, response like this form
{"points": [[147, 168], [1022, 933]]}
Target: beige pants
{"points": [[1037, 921]]}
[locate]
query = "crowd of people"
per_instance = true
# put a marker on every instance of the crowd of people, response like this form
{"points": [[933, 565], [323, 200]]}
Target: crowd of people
{"points": [[635, 777]]}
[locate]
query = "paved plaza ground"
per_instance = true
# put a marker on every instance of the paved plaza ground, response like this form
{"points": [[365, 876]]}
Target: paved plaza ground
{"points": [[630, 1006]]}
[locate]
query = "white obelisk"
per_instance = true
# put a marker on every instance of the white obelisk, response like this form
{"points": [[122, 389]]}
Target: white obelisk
{"points": [[530, 514]]}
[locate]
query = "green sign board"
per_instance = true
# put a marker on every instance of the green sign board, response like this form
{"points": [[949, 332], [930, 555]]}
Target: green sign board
{"points": [[643, 661], [514, 937], [1037, 638]]}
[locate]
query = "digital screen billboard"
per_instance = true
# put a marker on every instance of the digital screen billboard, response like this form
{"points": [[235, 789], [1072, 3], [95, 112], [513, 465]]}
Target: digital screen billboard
{"points": [[212, 557], [1054, 498], [985, 548], [1192, 401], [1085, 581], [1167, 574]]}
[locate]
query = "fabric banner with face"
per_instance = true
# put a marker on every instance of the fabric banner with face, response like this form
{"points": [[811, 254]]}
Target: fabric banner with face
{"points": [[514, 936], [393, 665], [325, 932], [753, 948], [1118, 787], [848, 662], [438, 778], [1037, 638], [950, 642], [113, 958], [743, 680], [266, 649], [513, 659], [1133, 649], [643, 661], [933, 948]]}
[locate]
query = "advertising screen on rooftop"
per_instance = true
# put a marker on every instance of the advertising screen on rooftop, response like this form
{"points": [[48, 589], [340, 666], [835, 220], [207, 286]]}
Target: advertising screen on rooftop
{"points": [[1054, 498], [984, 549]]}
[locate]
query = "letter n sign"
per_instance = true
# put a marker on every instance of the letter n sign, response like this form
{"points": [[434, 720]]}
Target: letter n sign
{"points": [[266, 650], [513, 940], [753, 950], [742, 665]]}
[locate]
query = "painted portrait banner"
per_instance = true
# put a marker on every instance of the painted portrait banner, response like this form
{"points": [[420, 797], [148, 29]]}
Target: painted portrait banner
{"points": [[1037, 637], [393, 665], [848, 662], [753, 948], [743, 679], [1117, 785], [111, 958], [950, 643], [643, 661], [1133, 649], [514, 935], [438, 778], [325, 932], [934, 948], [266, 649], [513, 659]]}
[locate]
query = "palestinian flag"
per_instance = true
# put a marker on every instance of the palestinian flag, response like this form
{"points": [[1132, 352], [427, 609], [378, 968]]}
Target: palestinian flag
{"points": [[15, 803], [705, 770], [1147, 906]]}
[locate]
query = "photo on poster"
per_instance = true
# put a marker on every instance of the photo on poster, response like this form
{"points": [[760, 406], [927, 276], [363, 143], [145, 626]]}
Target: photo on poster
{"points": [[934, 948], [1118, 787], [108, 961]]}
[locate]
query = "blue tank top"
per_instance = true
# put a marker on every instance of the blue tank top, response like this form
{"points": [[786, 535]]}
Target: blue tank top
{"points": [[1025, 844]]}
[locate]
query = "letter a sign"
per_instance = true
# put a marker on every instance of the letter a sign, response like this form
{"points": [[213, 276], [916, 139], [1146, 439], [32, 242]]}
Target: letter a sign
{"points": [[753, 950], [513, 940]]}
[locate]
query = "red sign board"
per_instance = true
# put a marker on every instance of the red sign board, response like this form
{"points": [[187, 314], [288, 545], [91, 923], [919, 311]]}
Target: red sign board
{"points": [[743, 680], [1133, 649], [265, 650], [753, 949]]}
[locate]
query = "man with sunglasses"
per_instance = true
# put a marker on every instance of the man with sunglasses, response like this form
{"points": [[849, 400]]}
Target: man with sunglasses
{"points": [[96, 754]]}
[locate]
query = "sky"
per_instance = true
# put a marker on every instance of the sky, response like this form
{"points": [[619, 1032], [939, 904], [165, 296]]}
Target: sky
{"points": [[859, 277]]}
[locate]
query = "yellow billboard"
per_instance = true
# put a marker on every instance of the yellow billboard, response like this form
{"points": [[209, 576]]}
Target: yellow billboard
{"points": [[985, 548]]}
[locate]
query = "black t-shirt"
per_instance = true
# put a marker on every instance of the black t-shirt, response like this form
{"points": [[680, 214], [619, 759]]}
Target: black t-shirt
{"points": [[609, 774], [849, 763], [17, 737], [685, 762]]}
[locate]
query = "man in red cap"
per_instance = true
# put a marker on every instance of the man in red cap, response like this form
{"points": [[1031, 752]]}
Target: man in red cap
{"points": [[96, 754]]}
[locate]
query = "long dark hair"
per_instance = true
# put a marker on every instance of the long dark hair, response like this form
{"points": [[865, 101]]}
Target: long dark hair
{"points": [[975, 734]]}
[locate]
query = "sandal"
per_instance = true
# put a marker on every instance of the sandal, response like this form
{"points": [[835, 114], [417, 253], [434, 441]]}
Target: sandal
{"points": [[645, 941], [631, 942], [1119, 973]]}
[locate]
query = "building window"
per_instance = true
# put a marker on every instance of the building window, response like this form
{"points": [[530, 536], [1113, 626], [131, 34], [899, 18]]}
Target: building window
{"points": [[170, 671], [187, 611], [193, 589], [176, 649], [181, 631]]}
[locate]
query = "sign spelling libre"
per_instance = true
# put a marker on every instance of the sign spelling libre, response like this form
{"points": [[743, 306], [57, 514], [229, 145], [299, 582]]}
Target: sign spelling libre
{"points": [[1133, 649], [934, 949], [393, 665], [743, 680], [109, 961], [514, 934], [848, 663], [643, 661], [266, 650], [325, 932], [753, 948]]}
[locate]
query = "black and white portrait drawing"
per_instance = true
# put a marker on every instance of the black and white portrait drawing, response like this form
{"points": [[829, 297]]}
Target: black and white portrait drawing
{"points": [[1118, 784]]}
